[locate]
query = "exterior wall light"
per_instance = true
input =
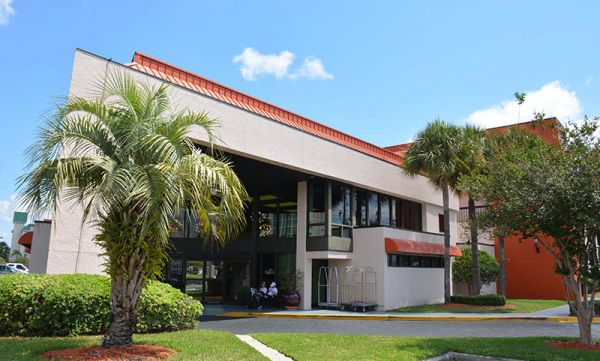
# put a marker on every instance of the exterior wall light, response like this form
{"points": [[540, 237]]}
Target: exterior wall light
{"points": [[536, 242]]}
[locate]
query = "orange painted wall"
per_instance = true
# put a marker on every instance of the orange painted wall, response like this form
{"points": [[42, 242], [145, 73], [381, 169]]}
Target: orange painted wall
{"points": [[530, 274]]}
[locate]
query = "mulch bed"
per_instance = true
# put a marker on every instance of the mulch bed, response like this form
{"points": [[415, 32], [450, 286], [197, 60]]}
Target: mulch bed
{"points": [[98, 353], [573, 345], [462, 305]]}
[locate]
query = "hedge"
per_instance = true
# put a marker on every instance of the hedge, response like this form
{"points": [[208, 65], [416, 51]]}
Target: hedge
{"points": [[64, 305], [480, 300]]}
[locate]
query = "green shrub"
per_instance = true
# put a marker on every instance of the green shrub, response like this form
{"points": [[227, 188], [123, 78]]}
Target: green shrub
{"points": [[462, 268], [480, 300], [62, 305]]}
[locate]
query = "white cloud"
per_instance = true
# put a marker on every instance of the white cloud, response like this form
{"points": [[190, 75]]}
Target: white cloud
{"points": [[254, 64], [6, 11], [311, 68], [7, 208], [551, 99]]}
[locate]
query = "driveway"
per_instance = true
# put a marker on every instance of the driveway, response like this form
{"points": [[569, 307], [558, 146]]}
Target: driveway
{"points": [[396, 328]]}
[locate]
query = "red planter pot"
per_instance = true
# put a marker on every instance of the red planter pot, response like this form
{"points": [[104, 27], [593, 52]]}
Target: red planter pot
{"points": [[291, 300]]}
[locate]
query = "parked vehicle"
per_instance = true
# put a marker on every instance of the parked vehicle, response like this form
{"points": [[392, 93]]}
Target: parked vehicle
{"points": [[18, 267], [6, 270]]}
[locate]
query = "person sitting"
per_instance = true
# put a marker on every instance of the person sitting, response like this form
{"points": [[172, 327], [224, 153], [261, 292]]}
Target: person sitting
{"points": [[263, 289], [273, 291]]}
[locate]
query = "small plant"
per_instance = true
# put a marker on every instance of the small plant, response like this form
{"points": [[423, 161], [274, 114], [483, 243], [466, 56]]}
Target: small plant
{"points": [[291, 281], [480, 300]]}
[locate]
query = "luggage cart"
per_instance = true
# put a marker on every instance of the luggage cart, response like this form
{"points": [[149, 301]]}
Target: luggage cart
{"points": [[359, 289], [328, 287]]}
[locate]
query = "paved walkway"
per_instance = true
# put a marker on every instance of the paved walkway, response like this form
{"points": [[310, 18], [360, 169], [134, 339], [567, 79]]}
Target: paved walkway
{"points": [[557, 314]]}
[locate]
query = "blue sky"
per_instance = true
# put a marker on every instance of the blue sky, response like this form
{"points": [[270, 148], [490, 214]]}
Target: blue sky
{"points": [[377, 70]]}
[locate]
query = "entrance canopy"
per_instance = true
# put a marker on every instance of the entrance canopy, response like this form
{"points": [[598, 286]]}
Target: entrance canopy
{"points": [[393, 245]]}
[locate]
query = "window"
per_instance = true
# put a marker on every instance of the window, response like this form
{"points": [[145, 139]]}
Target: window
{"points": [[341, 210], [361, 208], [373, 209], [288, 214], [415, 261], [316, 209], [408, 215], [267, 216], [442, 226], [393, 260], [384, 210]]}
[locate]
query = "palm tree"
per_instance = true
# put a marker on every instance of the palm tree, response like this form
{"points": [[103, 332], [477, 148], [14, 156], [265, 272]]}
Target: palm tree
{"points": [[125, 159], [473, 148], [436, 152]]}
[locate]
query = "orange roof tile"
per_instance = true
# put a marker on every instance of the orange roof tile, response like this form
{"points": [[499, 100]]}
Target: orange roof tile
{"points": [[186, 79]]}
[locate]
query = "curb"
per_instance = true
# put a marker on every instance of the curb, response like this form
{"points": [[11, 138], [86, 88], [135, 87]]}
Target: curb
{"points": [[397, 317]]}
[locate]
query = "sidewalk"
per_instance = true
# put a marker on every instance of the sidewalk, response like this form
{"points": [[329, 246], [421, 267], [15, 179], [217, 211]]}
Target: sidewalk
{"points": [[556, 314]]}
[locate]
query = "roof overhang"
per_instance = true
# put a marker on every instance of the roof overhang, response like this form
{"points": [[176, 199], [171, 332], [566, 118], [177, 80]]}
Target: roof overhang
{"points": [[393, 245]]}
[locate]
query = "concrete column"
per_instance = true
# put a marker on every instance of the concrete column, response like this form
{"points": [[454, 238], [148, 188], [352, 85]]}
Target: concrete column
{"points": [[39, 248], [303, 264]]}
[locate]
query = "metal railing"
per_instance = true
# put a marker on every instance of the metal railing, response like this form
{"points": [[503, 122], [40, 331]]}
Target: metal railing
{"points": [[463, 212]]}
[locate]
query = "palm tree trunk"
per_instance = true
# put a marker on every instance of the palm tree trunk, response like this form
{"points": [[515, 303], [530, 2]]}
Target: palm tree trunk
{"points": [[446, 203], [502, 270], [476, 281], [125, 293]]}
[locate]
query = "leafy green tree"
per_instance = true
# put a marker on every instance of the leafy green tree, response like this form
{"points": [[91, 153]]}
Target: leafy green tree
{"points": [[2, 260], [125, 158], [462, 268], [551, 193], [437, 152], [4, 250]]}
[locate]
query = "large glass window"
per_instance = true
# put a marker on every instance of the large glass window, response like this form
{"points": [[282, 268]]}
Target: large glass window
{"points": [[317, 211], [341, 204], [361, 208], [384, 210], [267, 216], [288, 214], [373, 209], [408, 215], [341, 211]]}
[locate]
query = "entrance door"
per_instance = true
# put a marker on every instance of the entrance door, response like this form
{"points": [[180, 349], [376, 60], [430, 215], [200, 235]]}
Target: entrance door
{"points": [[217, 281]]}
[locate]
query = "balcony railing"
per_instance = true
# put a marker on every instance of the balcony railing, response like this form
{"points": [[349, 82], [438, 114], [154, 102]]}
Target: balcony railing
{"points": [[463, 212]]}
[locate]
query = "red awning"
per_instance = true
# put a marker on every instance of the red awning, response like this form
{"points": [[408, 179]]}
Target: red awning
{"points": [[26, 239], [393, 245]]}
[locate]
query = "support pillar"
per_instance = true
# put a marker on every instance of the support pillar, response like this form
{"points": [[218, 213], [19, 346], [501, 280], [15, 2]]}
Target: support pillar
{"points": [[303, 264]]}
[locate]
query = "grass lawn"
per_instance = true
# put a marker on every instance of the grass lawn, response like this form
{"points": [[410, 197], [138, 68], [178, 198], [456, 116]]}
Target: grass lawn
{"points": [[512, 306], [190, 345], [359, 347]]}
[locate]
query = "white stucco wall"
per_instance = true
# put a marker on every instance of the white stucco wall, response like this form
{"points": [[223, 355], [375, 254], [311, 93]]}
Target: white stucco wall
{"points": [[398, 286], [40, 243], [17, 232], [71, 248]]}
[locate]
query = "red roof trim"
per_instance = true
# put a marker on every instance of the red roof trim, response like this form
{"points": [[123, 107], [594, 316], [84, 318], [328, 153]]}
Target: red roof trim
{"points": [[393, 245], [186, 79]]}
